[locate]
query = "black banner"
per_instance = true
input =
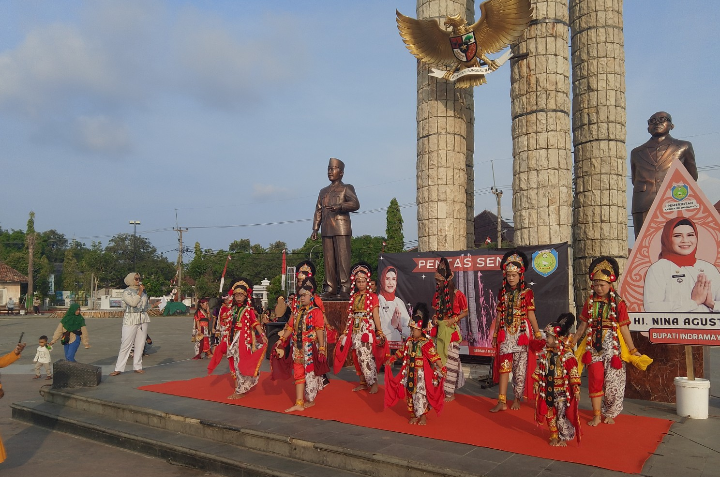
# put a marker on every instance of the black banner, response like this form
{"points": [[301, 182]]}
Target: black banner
{"points": [[407, 278]]}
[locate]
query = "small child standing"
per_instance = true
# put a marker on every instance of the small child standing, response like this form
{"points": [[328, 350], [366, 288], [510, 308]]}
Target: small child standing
{"points": [[420, 380], [42, 358], [557, 383]]}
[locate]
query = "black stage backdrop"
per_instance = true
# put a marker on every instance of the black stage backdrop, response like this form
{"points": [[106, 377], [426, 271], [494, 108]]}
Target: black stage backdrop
{"points": [[478, 276]]}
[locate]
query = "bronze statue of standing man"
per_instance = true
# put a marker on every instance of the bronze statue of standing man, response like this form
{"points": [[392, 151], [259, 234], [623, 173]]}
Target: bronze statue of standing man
{"points": [[650, 162], [332, 213]]}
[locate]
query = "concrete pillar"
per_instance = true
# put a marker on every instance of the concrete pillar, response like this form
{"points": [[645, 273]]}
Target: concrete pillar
{"points": [[598, 124], [445, 122], [540, 93]]}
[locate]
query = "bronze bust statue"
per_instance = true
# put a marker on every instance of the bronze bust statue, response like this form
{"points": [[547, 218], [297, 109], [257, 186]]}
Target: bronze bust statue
{"points": [[332, 213], [650, 162]]}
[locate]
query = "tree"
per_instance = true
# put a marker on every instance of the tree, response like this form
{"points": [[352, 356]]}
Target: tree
{"points": [[274, 291], [367, 248], [71, 273], [394, 238]]}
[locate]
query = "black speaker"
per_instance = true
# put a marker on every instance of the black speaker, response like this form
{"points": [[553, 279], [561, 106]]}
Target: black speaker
{"points": [[69, 374]]}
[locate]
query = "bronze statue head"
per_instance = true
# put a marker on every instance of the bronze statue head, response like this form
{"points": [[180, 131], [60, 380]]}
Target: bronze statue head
{"points": [[336, 169], [660, 124]]}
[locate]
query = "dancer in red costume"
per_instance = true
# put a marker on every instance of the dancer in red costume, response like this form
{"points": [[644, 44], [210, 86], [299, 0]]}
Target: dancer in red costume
{"points": [[247, 341], [201, 330], [557, 384], [222, 333], [306, 334], [420, 380], [363, 333], [515, 317], [605, 317], [450, 305]]}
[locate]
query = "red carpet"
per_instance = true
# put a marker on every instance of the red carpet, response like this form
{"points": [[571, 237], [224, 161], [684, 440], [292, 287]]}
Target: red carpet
{"points": [[624, 446]]}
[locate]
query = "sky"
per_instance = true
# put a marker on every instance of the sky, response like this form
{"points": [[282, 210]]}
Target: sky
{"points": [[220, 115]]}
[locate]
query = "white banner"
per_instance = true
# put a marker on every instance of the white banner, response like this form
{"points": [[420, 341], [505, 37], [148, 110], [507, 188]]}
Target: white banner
{"points": [[475, 70], [697, 321]]}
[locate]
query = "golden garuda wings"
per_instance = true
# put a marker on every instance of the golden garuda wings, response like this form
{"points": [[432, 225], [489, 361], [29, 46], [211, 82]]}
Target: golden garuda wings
{"points": [[501, 22]]}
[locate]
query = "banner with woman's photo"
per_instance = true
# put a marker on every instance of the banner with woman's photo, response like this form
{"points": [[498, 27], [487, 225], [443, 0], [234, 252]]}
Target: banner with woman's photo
{"points": [[671, 282], [408, 278]]}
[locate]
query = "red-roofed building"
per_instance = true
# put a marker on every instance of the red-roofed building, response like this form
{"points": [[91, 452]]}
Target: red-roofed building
{"points": [[10, 282]]}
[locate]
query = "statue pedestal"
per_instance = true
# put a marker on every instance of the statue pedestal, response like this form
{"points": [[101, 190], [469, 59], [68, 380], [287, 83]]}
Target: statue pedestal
{"points": [[336, 313], [657, 382]]}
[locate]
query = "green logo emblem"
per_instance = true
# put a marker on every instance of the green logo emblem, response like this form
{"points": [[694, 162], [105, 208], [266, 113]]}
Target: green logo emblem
{"points": [[680, 192], [545, 262]]}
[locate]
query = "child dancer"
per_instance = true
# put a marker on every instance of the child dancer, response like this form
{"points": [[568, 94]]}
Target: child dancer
{"points": [[247, 339], [420, 380], [363, 333], [222, 334], [450, 305], [605, 315], [201, 329], [306, 333], [515, 316], [557, 383]]}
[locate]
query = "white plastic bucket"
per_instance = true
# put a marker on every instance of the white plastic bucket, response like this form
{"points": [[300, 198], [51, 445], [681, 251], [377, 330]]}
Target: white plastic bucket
{"points": [[692, 397]]}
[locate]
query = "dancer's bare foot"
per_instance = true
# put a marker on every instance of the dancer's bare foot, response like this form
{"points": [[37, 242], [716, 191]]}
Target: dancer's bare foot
{"points": [[115, 373], [515, 405], [450, 398], [413, 420], [296, 407], [609, 420], [309, 404], [360, 388], [595, 421], [236, 396], [501, 406], [373, 388], [555, 442], [422, 421]]}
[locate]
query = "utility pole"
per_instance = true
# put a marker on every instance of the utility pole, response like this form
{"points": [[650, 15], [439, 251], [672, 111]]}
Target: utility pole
{"points": [[498, 195], [180, 231], [134, 223]]}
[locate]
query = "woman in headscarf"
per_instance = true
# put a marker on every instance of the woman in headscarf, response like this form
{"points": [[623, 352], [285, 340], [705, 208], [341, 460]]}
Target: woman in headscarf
{"points": [[135, 324], [678, 281], [70, 331], [394, 316], [451, 306]]}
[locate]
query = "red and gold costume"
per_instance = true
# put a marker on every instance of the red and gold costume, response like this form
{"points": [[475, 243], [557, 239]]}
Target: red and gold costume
{"points": [[603, 350], [303, 327], [201, 332], [246, 349], [224, 324], [513, 329], [417, 381], [362, 338], [558, 385]]}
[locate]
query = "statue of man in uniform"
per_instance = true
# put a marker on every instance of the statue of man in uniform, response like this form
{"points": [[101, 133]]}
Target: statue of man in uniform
{"points": [[650, 162], [332, 213]]}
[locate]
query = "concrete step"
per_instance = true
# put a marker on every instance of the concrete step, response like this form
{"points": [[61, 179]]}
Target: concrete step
{"points": [[182, 449], [58, 405]]}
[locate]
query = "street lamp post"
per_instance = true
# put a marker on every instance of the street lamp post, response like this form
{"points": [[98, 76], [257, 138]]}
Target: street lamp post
{"points": [[134, 223], [311, 251]]}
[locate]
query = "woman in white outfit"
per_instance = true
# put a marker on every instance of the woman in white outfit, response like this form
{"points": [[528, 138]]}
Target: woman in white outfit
{"points": [[394, 317], [135, 324], [678, 281]]}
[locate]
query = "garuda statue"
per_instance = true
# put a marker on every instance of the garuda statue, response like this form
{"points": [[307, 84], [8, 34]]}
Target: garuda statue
{"points": [[464, 49]]}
